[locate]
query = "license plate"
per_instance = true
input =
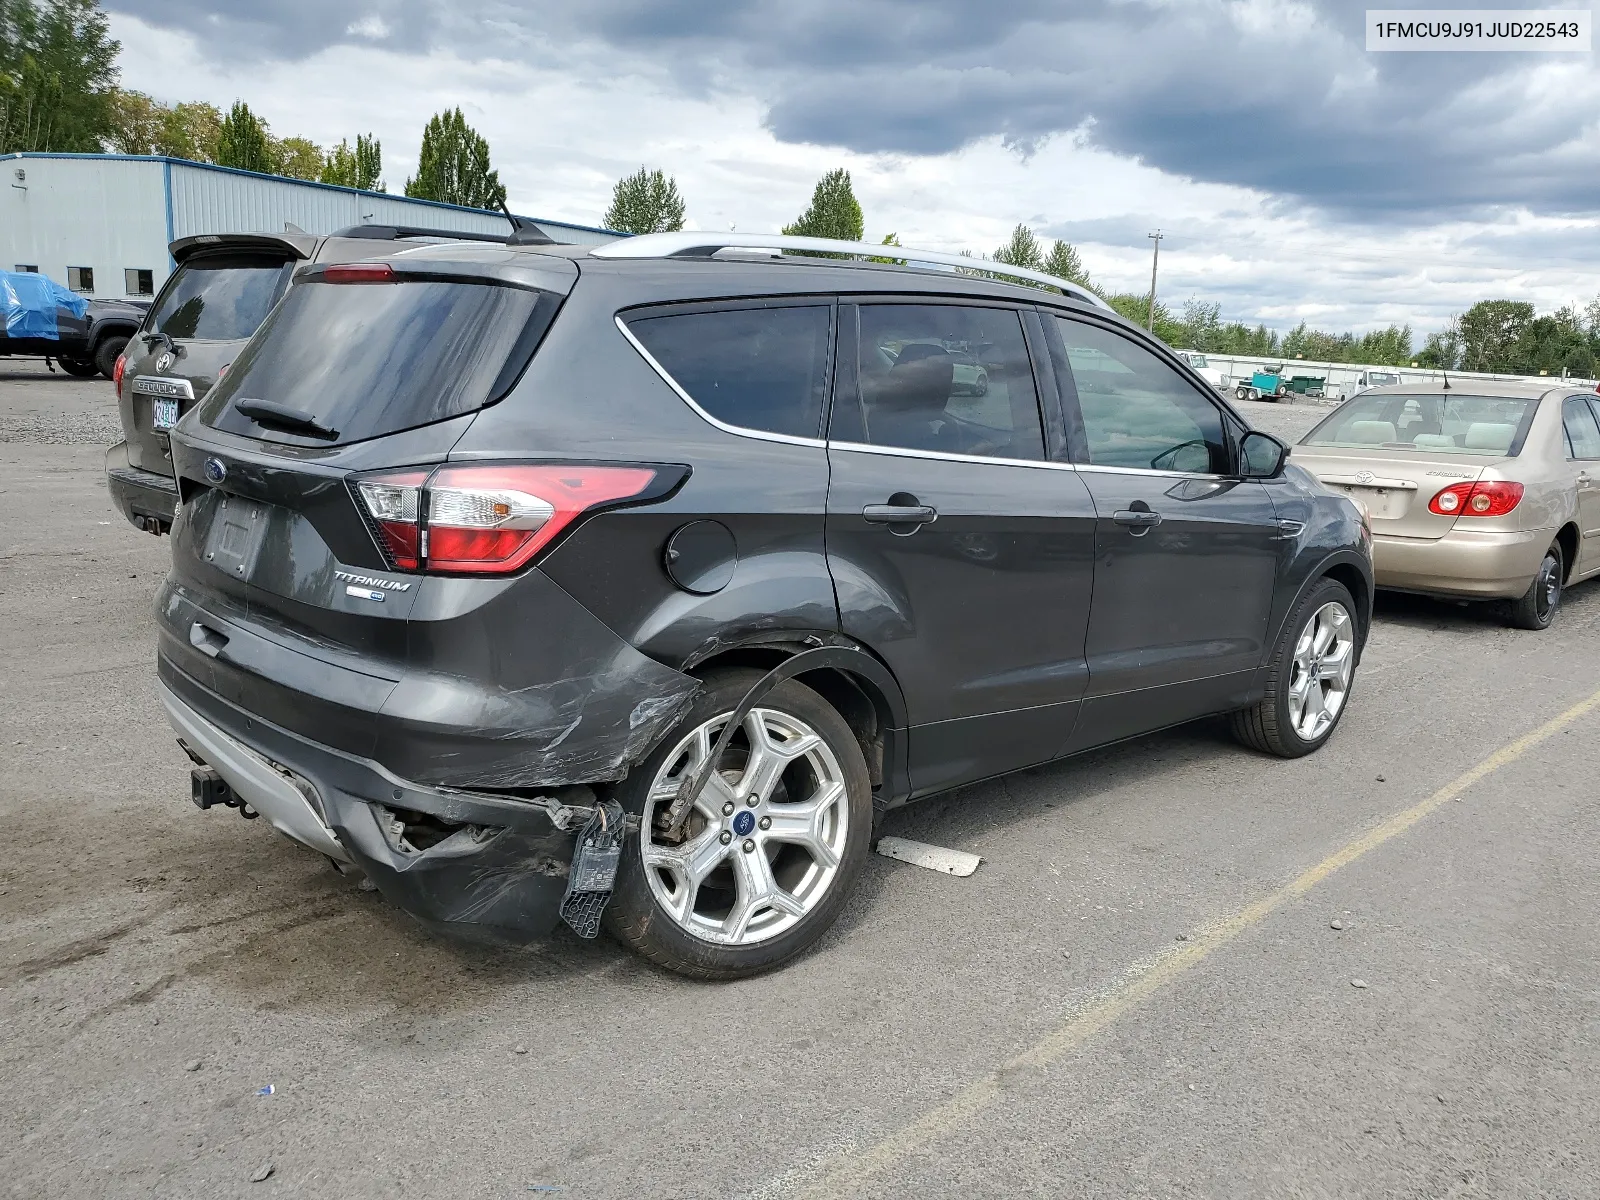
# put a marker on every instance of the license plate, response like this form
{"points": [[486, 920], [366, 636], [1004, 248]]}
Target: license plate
{"points": [[1382, 504], [166, 414]]}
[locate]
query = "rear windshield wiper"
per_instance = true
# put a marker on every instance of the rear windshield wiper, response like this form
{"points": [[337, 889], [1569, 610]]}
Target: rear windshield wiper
{"points": [[281, 416], [155, 337]]}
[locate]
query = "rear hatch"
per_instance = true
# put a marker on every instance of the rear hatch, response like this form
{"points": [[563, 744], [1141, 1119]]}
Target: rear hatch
{"points": [[361, 375], [223, 289], [1394, 453]]}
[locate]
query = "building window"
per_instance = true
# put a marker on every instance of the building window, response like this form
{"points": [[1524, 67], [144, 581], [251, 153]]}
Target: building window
{"points": [[138, 283], [81, 279], [27, 268]]}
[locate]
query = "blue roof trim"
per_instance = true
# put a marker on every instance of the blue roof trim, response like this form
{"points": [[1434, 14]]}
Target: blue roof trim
{"points": [[311, 183]]}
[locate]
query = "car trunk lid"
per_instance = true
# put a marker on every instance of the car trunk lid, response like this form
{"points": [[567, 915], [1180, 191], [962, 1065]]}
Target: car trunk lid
{"points": [[1395, 488]]}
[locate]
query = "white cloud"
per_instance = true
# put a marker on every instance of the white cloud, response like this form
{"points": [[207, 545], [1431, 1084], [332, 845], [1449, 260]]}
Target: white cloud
{"points": [[565, 122]]}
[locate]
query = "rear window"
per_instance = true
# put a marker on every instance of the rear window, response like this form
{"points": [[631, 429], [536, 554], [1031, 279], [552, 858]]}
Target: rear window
{"points": [[366, 359], [1493, 426], [220, 298], [761, 368]]}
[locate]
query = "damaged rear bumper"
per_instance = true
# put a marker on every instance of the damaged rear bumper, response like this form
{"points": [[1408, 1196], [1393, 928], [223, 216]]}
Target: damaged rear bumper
{"points": [[486, 865]]}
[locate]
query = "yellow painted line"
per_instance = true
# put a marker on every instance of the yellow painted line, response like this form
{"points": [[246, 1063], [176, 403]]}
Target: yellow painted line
{"points": [[852, 1173]]}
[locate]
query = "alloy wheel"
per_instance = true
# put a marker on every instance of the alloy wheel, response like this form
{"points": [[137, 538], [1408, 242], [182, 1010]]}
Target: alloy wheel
{"points": [[1324, 662], [765, 837]]}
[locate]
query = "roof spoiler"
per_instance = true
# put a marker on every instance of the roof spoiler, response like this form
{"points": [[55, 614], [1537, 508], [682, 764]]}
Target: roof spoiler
{"points": [[704, 245], [292, 244]]}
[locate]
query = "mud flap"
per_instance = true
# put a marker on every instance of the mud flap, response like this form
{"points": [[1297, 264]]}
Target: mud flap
{"points": [[594, 868]]}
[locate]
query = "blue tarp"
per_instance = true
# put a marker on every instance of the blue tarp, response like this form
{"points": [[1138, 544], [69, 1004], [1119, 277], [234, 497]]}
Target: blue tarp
{"points": [[29, 301]]}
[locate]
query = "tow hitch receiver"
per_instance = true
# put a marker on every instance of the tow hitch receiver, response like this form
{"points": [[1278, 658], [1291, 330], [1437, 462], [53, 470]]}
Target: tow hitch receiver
{"points": [[207, 788]]}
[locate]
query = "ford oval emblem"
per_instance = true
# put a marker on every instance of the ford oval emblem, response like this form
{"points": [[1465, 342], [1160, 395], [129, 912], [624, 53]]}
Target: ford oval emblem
{"points": [[216, 470]]}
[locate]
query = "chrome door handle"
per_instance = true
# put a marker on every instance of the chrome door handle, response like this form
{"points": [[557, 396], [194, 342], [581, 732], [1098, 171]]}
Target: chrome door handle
{"points": [[899, 514], [1138, 521]]}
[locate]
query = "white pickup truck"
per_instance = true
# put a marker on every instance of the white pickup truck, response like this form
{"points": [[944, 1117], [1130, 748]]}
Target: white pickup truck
{"points": [[1197, 362]]}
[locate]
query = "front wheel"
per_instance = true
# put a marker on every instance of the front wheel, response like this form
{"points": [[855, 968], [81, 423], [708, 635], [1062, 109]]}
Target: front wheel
{"points": [[773, 845], [1308, 677], [1536, 607]]}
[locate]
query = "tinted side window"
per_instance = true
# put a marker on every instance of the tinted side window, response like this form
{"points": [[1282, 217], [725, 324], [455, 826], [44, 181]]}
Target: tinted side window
{"points": [[1138, 411], [1583, 437], [220, 298], [944, 378], [760, 368]]}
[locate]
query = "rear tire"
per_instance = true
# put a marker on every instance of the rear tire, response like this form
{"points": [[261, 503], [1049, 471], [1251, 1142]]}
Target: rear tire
{"points": [[1536, 608], [1309, 676], [78, 368], [712, 909], [107, 353]]}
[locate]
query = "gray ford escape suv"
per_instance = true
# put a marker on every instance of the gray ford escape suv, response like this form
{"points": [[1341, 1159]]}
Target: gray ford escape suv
{"points": [[536, 582]]}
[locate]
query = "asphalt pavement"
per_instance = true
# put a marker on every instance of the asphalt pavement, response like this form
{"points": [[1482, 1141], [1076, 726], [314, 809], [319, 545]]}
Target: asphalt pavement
{"points": [[1184, 969]]}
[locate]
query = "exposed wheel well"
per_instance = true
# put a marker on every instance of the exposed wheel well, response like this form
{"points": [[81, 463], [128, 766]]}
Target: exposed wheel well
{"points": [[1356, 584], [1567, 539], [856, 699]]}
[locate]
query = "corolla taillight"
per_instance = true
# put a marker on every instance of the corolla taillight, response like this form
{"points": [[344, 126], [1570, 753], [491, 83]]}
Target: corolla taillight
{"points": [[1487, 498]]}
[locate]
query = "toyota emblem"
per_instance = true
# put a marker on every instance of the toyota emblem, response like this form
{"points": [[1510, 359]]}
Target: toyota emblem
{"points": [[164, 361], [1364, 477]]}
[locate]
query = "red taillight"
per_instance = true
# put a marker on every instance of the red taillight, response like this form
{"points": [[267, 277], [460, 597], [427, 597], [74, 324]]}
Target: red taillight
{"points": [[116, 373], [359, 273], [488, 520], [1490, 498], [393, 502]]}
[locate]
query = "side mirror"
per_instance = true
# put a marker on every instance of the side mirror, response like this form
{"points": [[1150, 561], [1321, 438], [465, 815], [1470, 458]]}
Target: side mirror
{"points": [[1262, 455]]}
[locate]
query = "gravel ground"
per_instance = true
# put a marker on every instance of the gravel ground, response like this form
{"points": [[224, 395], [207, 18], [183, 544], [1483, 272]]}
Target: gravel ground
{"points": [[1184, 969], [39, 408]]}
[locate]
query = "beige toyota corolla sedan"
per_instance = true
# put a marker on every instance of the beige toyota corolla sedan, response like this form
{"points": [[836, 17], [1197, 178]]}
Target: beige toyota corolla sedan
{"points": [[1487, 491]]}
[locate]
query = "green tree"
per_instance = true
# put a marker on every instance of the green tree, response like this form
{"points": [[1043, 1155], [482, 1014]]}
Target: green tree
{"points": [[453, 166], [1135, 306], [1491, 331], [58, 76], [889, 239], [297, 158], [645, 202], [244, 141], [135, 123], [358, 168], [192, 131], [1021, 250], [1063, 262], [834, 211]]}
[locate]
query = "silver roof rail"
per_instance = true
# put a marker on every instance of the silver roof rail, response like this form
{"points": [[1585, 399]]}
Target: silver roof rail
{"points": [[687, 245]]}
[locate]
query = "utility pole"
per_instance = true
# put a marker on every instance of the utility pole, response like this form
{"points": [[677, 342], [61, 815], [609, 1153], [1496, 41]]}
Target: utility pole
{"points": [[1150, 317]]}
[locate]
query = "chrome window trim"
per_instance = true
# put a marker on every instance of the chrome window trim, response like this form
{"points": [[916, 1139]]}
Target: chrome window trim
{"points": [[1156, 471], [762, 435], [945, 456]]}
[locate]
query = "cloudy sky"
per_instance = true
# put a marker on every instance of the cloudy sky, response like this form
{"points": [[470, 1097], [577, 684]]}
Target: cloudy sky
{"points": [[1295, 175]]}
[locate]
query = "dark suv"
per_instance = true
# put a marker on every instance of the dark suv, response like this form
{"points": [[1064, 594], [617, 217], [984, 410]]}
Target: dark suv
{"points": [[494, 566]]}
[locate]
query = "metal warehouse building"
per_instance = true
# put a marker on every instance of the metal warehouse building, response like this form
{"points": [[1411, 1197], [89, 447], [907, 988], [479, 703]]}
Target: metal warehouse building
{"points": [[100, 223]]}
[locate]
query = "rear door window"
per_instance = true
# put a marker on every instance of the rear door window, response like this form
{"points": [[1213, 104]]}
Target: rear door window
{"points": [[758, 368], [366, 359], [1583, 436], [943, 378], [220, 297]]}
